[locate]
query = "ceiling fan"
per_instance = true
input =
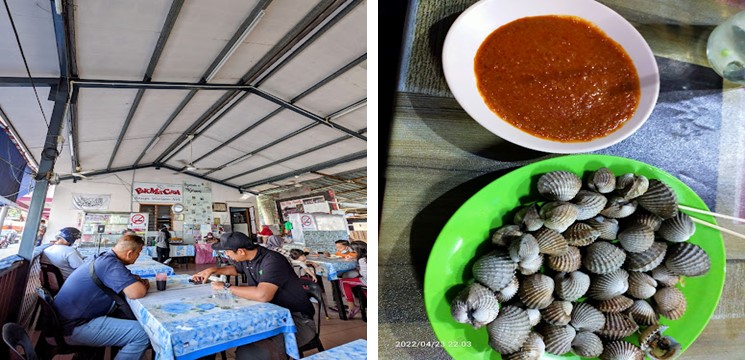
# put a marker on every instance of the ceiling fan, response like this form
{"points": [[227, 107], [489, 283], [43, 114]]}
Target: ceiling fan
{"points": [[79, 173], [189, 165]]}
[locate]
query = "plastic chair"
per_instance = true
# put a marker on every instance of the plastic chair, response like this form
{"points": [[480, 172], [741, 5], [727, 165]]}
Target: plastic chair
{"points": [[314, 292], [298, 271], [52, 341], [47, 271], [15, 336], [360, 292]]}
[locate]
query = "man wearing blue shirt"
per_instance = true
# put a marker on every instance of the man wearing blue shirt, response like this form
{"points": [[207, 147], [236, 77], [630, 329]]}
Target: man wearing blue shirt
{"points": [[83, 307]]}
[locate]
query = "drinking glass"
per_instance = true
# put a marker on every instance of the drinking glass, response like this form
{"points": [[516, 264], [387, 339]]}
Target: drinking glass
{"points": [[160, 280], [223, 298], [726, 49]]}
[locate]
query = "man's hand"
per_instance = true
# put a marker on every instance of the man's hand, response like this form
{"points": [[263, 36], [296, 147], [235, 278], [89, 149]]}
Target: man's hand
{"points": [[202, 275], [144, 282]]}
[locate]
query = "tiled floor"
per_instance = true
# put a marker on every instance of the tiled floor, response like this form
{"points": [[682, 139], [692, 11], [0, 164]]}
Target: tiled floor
{"points": [[334, 331]]}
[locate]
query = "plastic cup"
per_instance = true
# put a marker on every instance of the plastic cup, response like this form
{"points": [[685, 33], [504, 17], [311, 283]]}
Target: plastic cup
{"points": [[160, 281], [725, 49]]}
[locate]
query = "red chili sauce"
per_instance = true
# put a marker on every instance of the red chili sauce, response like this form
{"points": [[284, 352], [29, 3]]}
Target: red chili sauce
{"points": [[558, 78]]}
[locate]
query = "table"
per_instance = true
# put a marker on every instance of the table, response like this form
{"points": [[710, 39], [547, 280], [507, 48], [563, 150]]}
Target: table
{"points": [[184, 322], [144, 267], [85, 252], [332, 268], [204, 254], [355, 350], [438, 157], [176, 251]]}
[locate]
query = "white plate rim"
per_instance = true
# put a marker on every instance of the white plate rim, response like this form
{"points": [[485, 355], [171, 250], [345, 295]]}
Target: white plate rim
{"points": [[478, 21]]}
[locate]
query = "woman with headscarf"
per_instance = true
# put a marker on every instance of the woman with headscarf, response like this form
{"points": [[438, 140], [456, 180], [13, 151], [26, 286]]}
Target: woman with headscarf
{"points": [[274, 243], [347, 284]]}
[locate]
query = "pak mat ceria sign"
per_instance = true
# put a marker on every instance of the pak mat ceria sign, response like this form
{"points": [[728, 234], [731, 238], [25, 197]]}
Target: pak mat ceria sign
{"points": [[164, 193]]}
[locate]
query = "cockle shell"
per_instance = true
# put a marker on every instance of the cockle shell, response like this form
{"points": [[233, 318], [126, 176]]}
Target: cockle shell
{"points": [[642, 313], [570, 261], [660, 200], [532, 349], [636, 238], [648, 259], [631, 186], [494, 270], [523, 247], [530, 266], [571, 286], [504, 235], [607, 286], [587, 344], [645, 218], [671, 303], [528, 218], [641, 285], [608, 227], [475, 305], [558, 313], [621, 350], [509, 331], [559, 185], [589, 204], [678, 228], [664, 276], [617, 326], [603, 257], [687, 259], [536, 291], [580, 234], [615, 305], [558, 339], [509, 291], [558, 215], [602, 180], [534, 315], [618, 207], [585, 317], [551, 242], [657, 346]]}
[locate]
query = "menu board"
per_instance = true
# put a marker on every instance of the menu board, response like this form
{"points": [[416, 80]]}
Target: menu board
{"points": [[197, 207]]}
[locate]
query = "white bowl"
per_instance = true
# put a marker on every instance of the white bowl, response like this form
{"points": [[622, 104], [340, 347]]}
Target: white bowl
{"points": [[476, 23]]}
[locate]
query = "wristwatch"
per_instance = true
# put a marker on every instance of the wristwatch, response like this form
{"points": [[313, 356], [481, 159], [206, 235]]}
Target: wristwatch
{"points": [[227, 285]]}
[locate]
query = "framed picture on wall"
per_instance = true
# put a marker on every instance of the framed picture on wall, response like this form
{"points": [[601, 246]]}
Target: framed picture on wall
{"points": [[219, 207]]}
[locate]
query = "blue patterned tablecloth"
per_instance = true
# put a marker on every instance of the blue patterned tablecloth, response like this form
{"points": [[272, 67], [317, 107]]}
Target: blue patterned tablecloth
{"points": [[355, 350], [333, 267], [148, 268], [85, 252], [185, 322], [176, 250]]}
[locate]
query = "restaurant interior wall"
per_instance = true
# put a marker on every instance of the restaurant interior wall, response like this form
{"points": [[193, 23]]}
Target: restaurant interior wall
{"points": [[119, 186]]}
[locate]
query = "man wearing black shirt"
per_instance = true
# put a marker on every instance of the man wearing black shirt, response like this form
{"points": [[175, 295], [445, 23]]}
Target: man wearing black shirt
{"points": [[270, 278]]}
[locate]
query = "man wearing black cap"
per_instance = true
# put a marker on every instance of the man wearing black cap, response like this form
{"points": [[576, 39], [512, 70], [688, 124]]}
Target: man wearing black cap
{"points": [[270, 278]]}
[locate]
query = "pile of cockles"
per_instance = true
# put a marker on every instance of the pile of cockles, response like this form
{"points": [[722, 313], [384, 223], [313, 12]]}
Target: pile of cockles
{"points": [[584, 268]]}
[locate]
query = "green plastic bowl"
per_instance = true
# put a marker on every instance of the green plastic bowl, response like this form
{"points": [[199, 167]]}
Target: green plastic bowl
{"points": [[467, 236]]}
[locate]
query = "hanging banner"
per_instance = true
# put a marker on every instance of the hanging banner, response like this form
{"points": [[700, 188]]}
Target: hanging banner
{"points": [[91, 201], [197, 203], [153, 193]]}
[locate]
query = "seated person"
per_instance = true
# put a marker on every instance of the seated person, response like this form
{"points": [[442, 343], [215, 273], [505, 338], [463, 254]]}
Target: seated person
{"points": [[360, 248], [83, 307], [343, 249], [270, 279], [298, 260], [61, 253], [275, 243]]}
